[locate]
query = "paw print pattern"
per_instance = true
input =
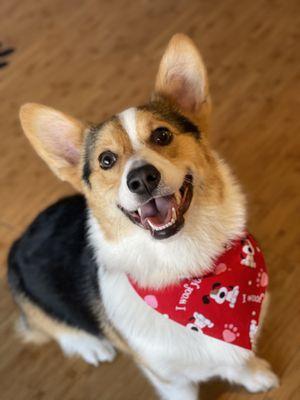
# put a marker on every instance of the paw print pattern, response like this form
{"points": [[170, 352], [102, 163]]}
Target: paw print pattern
{"points": [[220, 268], [262, 279], [230, 333], [253, 330], [151, 300]]}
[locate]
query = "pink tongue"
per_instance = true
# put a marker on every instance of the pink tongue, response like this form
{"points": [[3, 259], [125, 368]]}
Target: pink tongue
{"points": [[158, 211]]}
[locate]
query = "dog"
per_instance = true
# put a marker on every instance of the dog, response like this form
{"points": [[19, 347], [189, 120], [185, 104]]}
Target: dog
{"points": [[248, 254], [199, 322], [220, 294], [157, 206]]}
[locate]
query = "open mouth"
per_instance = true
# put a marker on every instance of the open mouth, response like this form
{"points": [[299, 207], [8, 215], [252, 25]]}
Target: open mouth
{"points": [[164, 216]]}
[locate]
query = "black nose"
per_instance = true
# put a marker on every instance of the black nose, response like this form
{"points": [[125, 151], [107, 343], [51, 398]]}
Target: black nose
{"points": [[143, 180]]}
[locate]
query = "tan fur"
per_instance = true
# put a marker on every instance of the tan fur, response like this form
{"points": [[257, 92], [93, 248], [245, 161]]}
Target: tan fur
{"points": [[38, 326], [118, 341], [29, 334], [35, 326], [105, 183]]}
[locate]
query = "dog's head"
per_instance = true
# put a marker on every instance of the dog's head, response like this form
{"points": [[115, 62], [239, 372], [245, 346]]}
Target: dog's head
{"points": [[140, 166], [146, 168]]}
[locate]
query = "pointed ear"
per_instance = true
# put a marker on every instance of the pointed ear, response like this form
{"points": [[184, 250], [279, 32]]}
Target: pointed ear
{"points": [[182, 76], [56, 137]]}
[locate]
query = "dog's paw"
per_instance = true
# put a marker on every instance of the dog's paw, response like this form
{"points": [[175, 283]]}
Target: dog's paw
{"points": [[106, 353], [91, 349], [262, 382], [261, 379]]}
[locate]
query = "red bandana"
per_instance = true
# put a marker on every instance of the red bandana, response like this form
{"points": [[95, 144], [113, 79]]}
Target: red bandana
{"points": [[224, 304]]}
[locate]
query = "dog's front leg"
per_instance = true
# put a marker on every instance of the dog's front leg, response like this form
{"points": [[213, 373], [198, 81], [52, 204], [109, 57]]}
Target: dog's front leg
{"points": [[172, 389], [255, 375]]}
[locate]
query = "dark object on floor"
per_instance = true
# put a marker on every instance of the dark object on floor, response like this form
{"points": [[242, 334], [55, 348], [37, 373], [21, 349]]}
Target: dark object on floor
{"points": [[4, 52]]}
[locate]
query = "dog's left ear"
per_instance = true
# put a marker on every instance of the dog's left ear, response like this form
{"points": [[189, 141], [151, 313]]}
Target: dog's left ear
{"points": [[57, 138], [182, 77]]}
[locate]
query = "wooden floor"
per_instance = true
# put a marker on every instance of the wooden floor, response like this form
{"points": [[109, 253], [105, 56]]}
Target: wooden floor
{"points": [[94, 58]]}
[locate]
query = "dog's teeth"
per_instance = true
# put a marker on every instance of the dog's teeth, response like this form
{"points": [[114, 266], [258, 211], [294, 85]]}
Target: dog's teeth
{"points": [[174, 216], [160, 228], [139, 211], [152, 226]]}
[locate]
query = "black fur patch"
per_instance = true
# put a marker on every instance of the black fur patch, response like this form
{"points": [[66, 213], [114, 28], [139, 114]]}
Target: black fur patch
{"points": [[165, 110], [53, 266], [86, 172], [89, 144]]}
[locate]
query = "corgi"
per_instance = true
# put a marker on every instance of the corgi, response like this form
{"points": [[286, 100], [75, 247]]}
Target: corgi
{"points": [[159, 215]]}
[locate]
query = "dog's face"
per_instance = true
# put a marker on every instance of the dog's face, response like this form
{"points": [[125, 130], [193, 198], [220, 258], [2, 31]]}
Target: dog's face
{"points": [[141, 161], [146, 167], [142, 164]]}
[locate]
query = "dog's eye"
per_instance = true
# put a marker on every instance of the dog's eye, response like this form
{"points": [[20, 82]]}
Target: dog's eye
{"points": [[161, 136], [107, 159]]}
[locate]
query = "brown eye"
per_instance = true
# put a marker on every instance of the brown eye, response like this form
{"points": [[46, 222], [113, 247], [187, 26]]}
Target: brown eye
{"points": [[107, 159], [161, 136]]}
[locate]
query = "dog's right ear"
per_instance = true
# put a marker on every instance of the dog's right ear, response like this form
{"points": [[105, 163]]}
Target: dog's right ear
{"points": [[57, 138], [182, 77]]}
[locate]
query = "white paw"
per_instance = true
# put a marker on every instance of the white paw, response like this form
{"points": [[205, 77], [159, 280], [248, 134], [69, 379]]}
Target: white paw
{"points": [[88, 347], [262, 381]]}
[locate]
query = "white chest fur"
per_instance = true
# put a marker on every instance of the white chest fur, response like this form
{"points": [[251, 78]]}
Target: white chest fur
{"points": [[163, 344]]}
